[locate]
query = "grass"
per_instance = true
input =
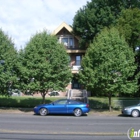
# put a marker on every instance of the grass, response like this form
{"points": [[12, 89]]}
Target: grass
{"points": [[117, 102], [25, 102], [94, 102]]}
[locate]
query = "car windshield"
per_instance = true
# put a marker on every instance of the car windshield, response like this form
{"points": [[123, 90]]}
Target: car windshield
{"points": [[60, 102], [73, 102]]}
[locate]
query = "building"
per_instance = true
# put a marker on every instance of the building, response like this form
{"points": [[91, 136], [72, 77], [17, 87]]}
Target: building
{"points": [[71, 43], [75, 52]]}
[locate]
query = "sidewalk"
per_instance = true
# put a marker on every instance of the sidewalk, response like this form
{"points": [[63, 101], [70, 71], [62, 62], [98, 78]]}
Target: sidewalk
{"points": [[16, 110], [96, 112]]}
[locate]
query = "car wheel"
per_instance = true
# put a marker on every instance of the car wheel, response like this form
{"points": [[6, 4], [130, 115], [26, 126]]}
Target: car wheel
{"points": [[135, 113], [43, 111], [77, 112]]}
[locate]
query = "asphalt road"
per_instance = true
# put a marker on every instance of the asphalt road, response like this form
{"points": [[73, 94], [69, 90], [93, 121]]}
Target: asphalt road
{"points": [[62, 127]]}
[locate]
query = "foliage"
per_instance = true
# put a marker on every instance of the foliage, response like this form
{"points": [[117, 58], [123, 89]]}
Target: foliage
{"points": [[45, 65], [109, 65], [8, 58], [129, 26], [27, 103], [21, 72], [23, 101], [97, 14]]}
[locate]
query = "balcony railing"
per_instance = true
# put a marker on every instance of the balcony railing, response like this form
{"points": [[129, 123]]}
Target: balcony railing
{"points": [[74, 48], [75, 67]]}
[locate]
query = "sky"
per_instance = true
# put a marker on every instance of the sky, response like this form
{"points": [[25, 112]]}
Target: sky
{"points": [[21, 19]]}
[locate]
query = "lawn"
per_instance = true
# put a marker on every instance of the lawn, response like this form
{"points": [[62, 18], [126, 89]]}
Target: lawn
{"points": [[94, 102]]}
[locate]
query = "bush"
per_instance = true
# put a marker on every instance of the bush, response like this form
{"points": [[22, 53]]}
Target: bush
{"points": [[94, 102], [25, 102]]}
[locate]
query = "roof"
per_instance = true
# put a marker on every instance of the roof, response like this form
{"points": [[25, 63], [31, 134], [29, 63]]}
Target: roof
{"points": [[61, 26]]}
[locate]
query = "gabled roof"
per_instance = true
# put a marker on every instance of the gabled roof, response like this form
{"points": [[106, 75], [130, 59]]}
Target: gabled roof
{"points": [[61, 26]]}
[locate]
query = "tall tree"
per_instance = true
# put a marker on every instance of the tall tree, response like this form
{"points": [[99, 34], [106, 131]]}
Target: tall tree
{"points": [[129, 26], [97, 14], [21, 72], [46, 64], [8, 58], [109, 65]]}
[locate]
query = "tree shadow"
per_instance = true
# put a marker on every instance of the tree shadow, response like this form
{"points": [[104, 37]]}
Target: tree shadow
{"points": [[21, 104], [100, 105], [26, 109], [58, 115], [124, 116], [122, 102]]}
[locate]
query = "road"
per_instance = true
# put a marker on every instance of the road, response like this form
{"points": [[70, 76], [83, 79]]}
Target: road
{"points": [[62, 127]]}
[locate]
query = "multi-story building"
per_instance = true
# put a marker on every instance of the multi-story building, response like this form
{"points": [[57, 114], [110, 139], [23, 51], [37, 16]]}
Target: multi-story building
{"points": [[71, 43]]}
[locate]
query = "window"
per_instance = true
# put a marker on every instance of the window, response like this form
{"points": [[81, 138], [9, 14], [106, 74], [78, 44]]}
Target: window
{"points": [[60, 102], [69, 60], [78, 60], [71, 42], [73, 102], [68, 41], [65, 41]]}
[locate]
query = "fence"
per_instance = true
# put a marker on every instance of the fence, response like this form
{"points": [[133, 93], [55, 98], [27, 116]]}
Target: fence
{"points": [[124, 103]]}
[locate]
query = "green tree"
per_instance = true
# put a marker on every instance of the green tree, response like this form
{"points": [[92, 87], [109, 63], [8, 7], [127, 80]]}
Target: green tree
{"points": [[21, 72], [97, 14], [45, 65], [109, 65], [129, 26], [8, 58]]}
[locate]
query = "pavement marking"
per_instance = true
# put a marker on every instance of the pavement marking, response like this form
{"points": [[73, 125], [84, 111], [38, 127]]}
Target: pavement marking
{"points": [[61, 133]]}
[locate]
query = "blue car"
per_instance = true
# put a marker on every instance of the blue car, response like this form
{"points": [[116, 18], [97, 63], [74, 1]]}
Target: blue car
{"points": [[134, 110], [63, 106]]}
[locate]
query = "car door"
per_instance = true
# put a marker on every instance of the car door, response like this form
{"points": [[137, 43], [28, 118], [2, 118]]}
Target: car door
{"points": [[72, 104], [59, 106]]}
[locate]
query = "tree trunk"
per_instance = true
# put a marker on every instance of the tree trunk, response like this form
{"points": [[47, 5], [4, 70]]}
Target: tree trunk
{"points": [[43, 96], [109, 97]]}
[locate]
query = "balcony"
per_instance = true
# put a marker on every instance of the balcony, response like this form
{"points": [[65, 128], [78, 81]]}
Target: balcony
{"points": [[75, 68], [72, 49]]}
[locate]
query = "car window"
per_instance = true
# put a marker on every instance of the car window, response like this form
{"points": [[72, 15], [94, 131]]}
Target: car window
{"points": [[73, 102], [60, 102]]}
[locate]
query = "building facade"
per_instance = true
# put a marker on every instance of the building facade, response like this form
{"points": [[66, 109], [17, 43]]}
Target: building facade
{"points": [[71, 44]]}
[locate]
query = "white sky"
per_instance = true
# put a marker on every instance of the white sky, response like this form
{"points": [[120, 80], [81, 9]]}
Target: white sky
{"points": [[21, 19]]}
